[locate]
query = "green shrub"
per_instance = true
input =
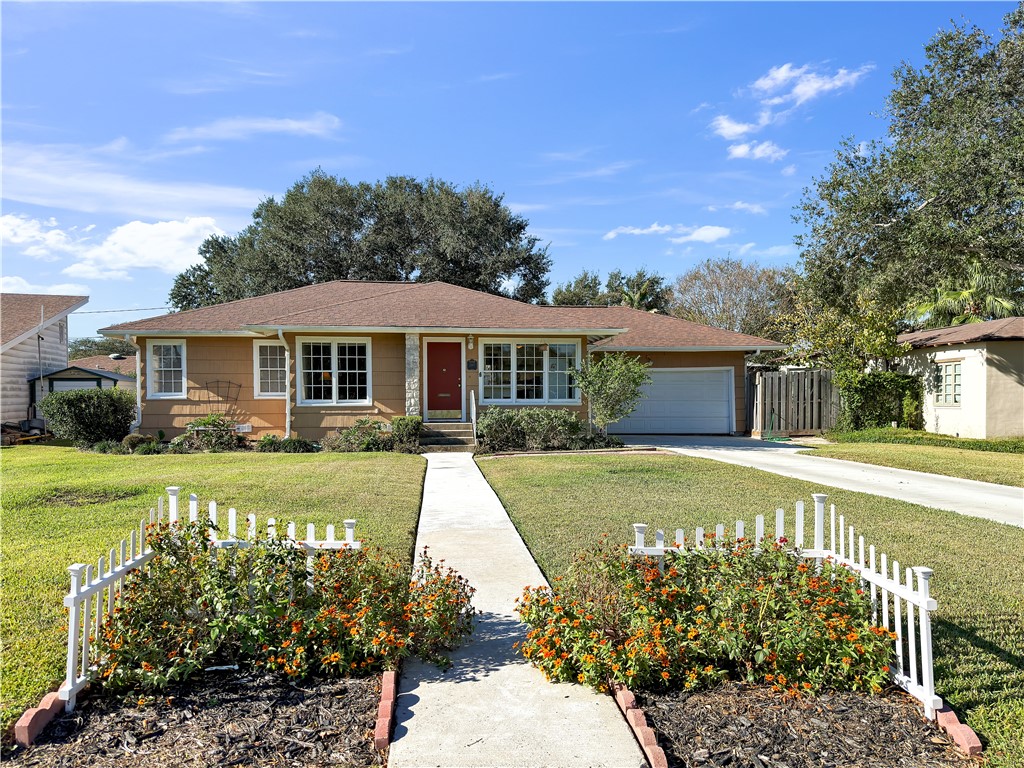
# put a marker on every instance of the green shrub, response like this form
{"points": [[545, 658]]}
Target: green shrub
{"points": [[913, 412], [87, 416], [151, 448], [211, 433], [269, 444], [297, 445], [406, 432], [188, 611], [712, 614], [365, 435], [134, 441], [108, 446], [877, 398], [536, 429], [914, 437]]}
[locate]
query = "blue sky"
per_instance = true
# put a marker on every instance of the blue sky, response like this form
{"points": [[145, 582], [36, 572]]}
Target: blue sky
{"points": [[653, 135]]}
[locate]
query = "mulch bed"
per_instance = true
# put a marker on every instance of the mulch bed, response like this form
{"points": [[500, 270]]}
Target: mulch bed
{"points": [[740, 726], [223, 719]]}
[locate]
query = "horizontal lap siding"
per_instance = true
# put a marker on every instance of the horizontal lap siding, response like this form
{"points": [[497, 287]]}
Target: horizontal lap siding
{"points": [[388, 389], [209, 360]]}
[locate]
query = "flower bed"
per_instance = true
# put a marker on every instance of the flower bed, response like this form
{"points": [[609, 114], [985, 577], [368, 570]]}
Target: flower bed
{"points": [[757, 616]]}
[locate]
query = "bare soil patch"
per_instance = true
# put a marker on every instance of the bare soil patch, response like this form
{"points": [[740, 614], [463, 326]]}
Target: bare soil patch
{"points": [[744, 726], [224, 719]]}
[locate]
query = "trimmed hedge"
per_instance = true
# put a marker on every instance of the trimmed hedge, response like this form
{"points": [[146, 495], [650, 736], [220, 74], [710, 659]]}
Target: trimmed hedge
{"points": [[915, 437], [88, 416], [536, 429]]}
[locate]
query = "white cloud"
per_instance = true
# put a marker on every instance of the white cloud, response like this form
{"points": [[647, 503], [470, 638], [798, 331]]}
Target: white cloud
{"points": [[321, 125], [765, 150], [169, 246], [15, 284], [776, 251], [40, 240], [604, 171], [797, 85], [78, 178], [731, 129], [739, 205], [526, 207], [705, 234], [744, 249], [654, 229], [789, 170]]}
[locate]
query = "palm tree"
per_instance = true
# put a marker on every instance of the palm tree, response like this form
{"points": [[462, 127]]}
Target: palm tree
{"points": [[973, 304]]}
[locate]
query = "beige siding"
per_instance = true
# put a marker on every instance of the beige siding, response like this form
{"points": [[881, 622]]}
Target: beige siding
{"points": [[220, 380], [967, 418], [22, 361], [1004, 363]]}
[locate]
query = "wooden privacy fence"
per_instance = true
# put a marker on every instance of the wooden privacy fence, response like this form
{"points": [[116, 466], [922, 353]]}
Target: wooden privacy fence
{"points": [[96, 592], [894, 597], [791, 402]]}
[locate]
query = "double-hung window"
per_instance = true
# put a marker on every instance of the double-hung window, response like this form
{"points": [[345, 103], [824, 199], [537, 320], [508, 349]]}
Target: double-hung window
{"points": [[529, 372], [270, 369], [335, 372], [166, 375], [947, 383]]}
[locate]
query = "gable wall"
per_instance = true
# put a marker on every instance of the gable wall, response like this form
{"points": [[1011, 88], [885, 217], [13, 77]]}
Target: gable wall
{"points": [[1004, 395], [21, 362]]}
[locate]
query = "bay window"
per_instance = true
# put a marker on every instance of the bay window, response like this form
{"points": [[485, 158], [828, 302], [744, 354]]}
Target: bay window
{"points": [[334, 372], [528, 372]]}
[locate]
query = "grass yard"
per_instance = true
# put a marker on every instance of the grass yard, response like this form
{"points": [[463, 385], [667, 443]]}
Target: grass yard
{"points": [[561, 504], [989, 467], [62, 506]]}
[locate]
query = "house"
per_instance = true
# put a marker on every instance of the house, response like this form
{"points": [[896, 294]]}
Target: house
{"points": [[34, 333], [124, 364], [312, 359], [79, 377], [973, 377]]}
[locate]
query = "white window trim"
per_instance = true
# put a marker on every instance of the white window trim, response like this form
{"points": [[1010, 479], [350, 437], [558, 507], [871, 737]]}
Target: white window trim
{"points": [[334, 341], [256, 393], [151, 394], [514, 400], [939, 391]]}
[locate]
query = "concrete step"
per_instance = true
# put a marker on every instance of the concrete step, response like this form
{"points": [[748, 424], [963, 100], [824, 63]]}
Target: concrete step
{"points": [[448, 428], [446, 440], [462, 448]]}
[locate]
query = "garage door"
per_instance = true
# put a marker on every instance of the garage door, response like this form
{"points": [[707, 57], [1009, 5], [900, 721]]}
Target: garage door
{"points": [[682, 402]]}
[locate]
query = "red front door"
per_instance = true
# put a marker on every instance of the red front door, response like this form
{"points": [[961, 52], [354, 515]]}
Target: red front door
{"points": [[444, 380]]}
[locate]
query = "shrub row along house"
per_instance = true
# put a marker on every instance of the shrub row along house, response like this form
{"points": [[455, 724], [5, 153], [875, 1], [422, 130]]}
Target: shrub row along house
{"points": [[312, 359]]}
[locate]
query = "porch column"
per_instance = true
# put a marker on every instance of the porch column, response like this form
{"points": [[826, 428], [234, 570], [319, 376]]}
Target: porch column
{"points": [[412, 374]]}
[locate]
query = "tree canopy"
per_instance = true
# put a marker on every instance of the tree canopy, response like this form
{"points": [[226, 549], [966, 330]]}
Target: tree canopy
{"points": [[84, 347], [640, 290], [325, 228], [908, 215], [732, 294]]}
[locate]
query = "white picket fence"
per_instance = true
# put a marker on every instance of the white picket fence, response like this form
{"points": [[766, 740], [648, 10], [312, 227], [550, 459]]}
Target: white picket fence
{"points": [[96, 591], [894, 597]]}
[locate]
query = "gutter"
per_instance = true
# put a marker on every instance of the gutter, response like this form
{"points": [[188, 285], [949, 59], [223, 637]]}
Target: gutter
{"points": [[288, 398], [138, 384]]}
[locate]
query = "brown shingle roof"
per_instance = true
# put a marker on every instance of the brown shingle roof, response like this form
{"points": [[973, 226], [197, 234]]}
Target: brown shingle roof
{"points": [[105, 363], [19, 312], [1007, 329], [354, 304]]}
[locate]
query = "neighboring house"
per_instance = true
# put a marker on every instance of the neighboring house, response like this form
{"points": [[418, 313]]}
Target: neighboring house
{"points": [[312, 359], [124, 364], [34, 332], [79, 377], [973, 377]]}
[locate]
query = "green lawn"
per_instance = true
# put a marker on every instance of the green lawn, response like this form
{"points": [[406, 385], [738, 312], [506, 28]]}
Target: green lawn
{"points": [[564, 503], [62, 506], [990, 467]]}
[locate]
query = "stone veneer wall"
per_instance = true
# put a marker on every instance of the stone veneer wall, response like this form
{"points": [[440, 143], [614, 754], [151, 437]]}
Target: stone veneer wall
{"points": [[412, 374]]}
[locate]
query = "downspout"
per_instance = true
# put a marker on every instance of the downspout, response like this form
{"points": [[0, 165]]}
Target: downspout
{"points": [[138, 384], [288, 398]]}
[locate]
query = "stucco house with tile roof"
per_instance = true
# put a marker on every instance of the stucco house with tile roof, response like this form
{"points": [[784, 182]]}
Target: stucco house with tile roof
{"points": [[973, 377], [312, 359], [33, 341]]}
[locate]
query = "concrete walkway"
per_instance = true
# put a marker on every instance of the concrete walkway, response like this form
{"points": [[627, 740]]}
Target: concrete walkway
{"points": [[491, 708], [1000, 503]]}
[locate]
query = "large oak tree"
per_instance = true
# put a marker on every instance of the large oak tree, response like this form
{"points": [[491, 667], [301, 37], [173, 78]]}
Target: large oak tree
{"points": [[325, 228]]}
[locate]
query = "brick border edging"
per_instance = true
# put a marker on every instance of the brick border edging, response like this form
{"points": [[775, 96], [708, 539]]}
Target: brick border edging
{"points": [[386, 710], [637, 721], [34, 719], [963, 735]]}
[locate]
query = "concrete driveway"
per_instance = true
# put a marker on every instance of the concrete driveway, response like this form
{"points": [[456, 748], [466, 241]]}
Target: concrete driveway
{"points": [[1001, 503]]}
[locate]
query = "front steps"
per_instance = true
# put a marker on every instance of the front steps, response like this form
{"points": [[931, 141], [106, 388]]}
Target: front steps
{"points": [[447, 436]]}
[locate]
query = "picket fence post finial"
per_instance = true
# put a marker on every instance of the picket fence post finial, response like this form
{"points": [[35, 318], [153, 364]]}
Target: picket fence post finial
{"points": [[639, 532]]}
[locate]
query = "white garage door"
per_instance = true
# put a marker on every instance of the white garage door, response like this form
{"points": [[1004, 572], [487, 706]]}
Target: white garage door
{"points": [[67, 385], [682, 402]]}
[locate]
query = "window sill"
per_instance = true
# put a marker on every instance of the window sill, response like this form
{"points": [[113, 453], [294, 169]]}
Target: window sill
{"points": [[150, 396]]}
